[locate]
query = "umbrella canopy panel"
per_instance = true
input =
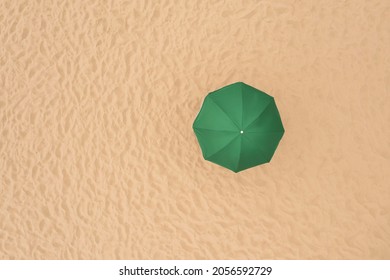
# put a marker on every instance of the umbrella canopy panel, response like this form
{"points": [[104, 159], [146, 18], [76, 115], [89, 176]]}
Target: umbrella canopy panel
{"points": [[238, 127]]}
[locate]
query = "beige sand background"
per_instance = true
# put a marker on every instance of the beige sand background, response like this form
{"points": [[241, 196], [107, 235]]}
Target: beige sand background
{"points": [[98, 159]]}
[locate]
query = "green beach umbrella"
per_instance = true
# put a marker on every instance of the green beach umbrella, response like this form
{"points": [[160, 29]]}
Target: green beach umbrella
{"points": [[238, 127]]}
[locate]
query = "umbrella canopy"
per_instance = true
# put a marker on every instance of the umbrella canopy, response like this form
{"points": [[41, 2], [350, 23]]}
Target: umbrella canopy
{"points": [[238, 127]]}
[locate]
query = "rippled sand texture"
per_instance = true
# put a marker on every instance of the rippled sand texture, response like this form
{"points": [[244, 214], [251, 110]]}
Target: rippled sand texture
{"points": [[98, 159]]}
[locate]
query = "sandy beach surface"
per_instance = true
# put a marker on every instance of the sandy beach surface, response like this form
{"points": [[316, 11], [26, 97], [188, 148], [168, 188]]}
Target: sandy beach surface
{"points": [[98, 159]]}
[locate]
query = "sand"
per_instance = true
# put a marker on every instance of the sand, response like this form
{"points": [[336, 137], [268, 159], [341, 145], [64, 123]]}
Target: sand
{"points": [[98, 159]]}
